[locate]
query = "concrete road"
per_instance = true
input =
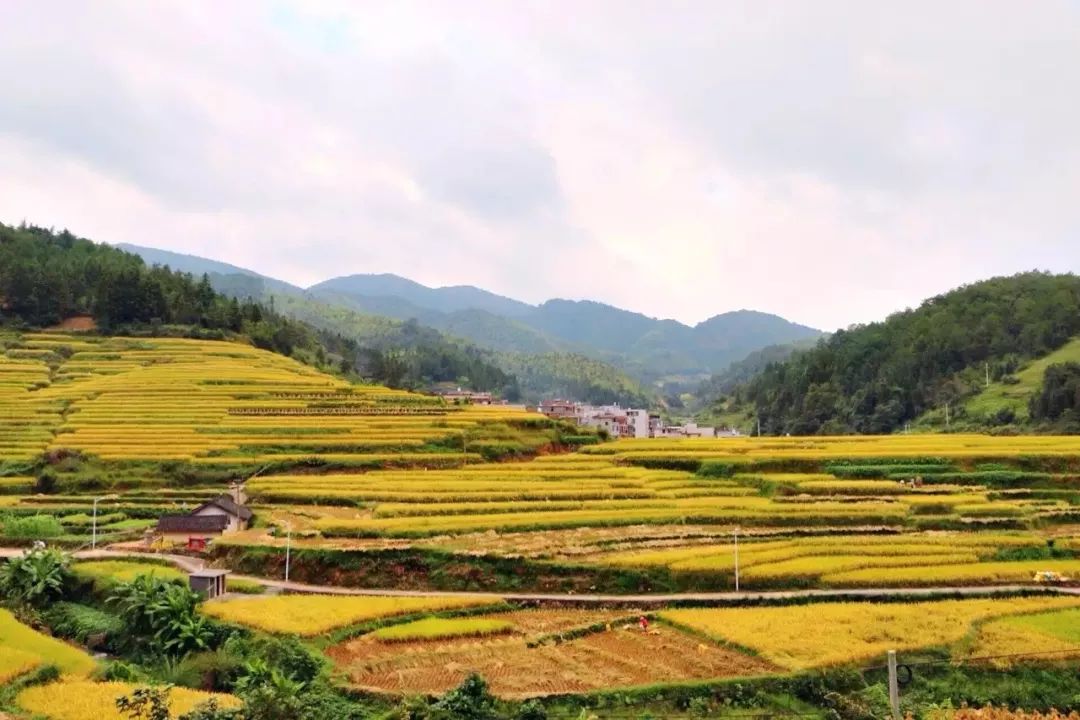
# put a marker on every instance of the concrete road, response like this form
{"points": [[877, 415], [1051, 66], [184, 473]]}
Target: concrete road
{"points": [[189, 564]]}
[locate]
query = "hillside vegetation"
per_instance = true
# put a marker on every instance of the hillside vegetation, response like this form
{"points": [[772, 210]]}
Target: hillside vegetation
{"points": [[46, 277], [1008, 399], [568, 375], [406, 354], [877, 377]]}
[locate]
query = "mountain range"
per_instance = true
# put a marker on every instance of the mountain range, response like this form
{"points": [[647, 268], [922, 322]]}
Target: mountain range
{"points": [[649, 350]]}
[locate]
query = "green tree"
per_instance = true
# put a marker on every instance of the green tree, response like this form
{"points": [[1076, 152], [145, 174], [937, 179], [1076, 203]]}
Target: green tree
{"points": [[874, 378], [470, 700], [161, 616], [532, 710], [36, 577], [1059, 395], [268, 693]]}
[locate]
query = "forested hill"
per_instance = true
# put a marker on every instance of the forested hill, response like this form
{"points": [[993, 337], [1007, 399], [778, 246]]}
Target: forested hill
{"points": [[47, 276], [568, 375], [877, 377]]}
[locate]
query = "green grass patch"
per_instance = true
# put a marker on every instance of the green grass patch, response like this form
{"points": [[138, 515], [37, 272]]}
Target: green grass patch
{"points": [[245, 587], [1014, 395], [442, 628], [1064, 624]]}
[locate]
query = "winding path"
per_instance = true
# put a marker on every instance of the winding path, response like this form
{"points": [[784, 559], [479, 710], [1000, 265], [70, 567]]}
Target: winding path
{"points": [[189, 564]]}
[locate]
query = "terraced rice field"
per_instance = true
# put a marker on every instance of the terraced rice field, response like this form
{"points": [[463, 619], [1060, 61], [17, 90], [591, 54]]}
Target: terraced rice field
{"points": [[309, 615], [23, 648], [366, 468], [823, 634], [617, 655], [214, 403], [84, 700], [823, 449], [855, 560], [116, 571], [1050, 635], [378, 487], [916, 521]]}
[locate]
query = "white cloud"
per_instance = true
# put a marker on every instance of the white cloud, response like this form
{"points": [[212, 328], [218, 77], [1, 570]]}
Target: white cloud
{"points": [[830, 162]]}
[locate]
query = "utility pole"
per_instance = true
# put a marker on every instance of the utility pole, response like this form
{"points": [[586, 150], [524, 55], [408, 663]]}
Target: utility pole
{"points": [[93, 536], [894, 687], [987, 374], [946, 414], [759, 426], [288, 548], [736, 559]]}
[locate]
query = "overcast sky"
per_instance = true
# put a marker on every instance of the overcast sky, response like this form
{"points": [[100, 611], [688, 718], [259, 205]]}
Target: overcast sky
{"points": [[827, 161]]}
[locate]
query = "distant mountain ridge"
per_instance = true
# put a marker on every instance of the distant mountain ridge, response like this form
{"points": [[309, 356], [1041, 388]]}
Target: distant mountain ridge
{"points": [[444, 299], [647, 348]]}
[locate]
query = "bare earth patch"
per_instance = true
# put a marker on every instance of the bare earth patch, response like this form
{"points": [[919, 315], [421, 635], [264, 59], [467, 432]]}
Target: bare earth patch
{"points": [[78, 323]]}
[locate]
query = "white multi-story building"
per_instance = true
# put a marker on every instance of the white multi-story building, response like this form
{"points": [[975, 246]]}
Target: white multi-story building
{"points": [[620, 422], [617, 421]]}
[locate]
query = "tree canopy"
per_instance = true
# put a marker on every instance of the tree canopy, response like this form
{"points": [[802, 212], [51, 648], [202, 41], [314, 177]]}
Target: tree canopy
{"points": [[874, 378]]}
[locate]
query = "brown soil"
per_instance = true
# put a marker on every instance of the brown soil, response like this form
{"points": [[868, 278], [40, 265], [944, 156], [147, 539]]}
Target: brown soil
{"points": [[78, 323], [619, 657]]}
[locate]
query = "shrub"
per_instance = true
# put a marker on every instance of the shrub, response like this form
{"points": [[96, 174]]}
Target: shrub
{"points": [[46, 484], [161, 616], [532, 710], [470, 700], [716, 468], [37, 577], [32, 527], [83, 623]]}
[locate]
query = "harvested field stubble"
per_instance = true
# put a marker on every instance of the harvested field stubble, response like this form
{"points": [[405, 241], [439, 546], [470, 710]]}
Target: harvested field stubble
{"points": [[614, 657]]}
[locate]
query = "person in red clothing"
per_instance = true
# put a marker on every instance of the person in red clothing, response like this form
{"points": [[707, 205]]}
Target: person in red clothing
{"points": [[644, 623]]}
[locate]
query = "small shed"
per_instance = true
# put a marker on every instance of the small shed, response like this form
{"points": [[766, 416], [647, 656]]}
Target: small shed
{"points": [[209, 582]]}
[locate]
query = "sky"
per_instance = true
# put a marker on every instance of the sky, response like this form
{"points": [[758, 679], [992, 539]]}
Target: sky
{"points": [[831, 162]]}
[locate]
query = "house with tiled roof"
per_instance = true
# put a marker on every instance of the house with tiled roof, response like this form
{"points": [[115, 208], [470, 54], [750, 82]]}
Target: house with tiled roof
{"points": [[211, 519]]}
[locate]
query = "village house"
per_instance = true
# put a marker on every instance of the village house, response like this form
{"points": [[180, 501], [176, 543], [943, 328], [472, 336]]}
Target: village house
{"points": [[617, 421], [211, 519], [466, 397], [690, 429], [238, 516], [560, 409], [620, 422]]}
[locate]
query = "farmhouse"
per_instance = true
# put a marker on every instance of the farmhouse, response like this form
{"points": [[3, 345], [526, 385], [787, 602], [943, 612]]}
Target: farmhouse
{"points": [[560, 409], [238, 516], [209, 520]]}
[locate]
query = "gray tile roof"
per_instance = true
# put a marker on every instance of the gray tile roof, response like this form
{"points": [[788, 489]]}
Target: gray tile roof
{"points": [[192, 523]]}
